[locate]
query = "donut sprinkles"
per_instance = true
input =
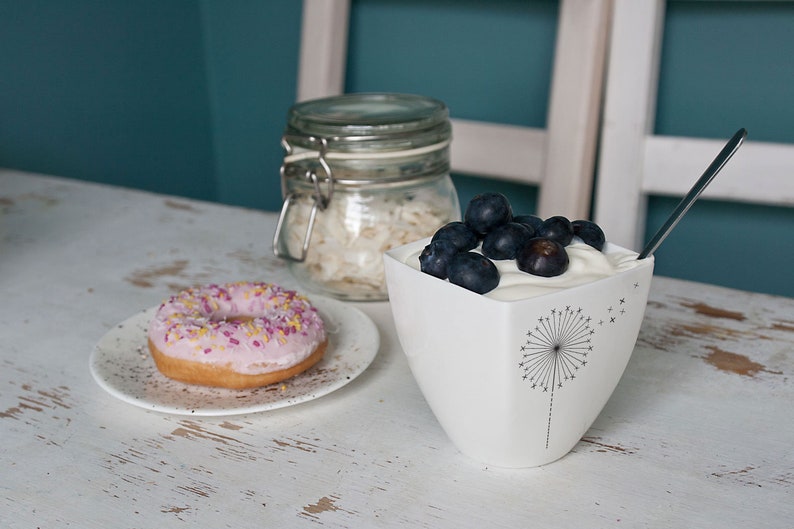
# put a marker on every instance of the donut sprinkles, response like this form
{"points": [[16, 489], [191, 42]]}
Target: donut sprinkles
{"points": [[236, 335]]}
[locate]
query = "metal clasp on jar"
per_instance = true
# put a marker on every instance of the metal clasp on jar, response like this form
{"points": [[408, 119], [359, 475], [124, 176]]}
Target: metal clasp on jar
{"points": [[321, 200]]}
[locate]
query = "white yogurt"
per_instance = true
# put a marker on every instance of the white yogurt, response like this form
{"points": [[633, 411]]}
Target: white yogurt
{"points": [[586, 265]]}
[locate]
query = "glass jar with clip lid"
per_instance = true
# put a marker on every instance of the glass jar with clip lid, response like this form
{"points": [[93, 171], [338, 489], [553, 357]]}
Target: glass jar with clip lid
{"points": [[362, 173]]}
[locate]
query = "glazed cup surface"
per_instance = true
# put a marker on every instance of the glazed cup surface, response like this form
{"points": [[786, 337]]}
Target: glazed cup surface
{"points": [[515, 383]]}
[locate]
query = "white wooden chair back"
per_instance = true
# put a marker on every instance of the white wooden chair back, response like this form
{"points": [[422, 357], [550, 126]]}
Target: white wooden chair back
{"points": [[634, 163], [559, 159]]}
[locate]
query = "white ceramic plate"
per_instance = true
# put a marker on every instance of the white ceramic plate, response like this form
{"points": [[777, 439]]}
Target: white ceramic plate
{"points": [[121, 364]]}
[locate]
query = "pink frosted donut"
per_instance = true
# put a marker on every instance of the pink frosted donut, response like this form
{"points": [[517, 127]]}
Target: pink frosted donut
{"points": [[236, 335]]}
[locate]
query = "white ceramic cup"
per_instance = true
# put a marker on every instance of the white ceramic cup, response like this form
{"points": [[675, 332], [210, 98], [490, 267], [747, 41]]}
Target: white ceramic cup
{"points": [[515, 383]]}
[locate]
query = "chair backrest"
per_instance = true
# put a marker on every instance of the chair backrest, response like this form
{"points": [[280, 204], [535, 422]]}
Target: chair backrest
{"points": [[634, 163], [559, 159]]}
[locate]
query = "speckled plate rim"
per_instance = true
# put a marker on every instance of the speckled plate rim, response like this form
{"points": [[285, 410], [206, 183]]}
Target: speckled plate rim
{"points": [[121, 364]]}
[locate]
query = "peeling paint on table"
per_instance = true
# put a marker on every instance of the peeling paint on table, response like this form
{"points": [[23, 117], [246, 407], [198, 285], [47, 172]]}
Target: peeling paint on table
{"points": [[697, 434]]}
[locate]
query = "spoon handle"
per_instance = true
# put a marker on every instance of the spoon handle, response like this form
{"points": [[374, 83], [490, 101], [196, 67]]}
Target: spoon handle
{"points": [[708, 175]]}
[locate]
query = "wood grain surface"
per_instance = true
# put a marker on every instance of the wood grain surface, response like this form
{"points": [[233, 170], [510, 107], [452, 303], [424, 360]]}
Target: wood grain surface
{"points": [[698, 433]]}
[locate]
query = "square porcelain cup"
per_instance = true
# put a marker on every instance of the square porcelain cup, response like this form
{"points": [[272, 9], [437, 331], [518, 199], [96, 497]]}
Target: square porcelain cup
{"points": [[516, 383]]}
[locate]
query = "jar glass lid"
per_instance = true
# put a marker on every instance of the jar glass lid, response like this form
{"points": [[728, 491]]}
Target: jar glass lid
{"points": [[374, 119]]}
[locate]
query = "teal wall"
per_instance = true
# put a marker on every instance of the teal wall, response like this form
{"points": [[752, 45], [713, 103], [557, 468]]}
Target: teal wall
{"points": [[188, 97], [252, 62], [112, 91], [727, 65], [180, 96]]}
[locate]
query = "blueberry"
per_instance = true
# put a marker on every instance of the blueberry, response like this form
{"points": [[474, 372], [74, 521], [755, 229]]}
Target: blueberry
{"points": [[474, 272], [556, 228], [542, 257], [486, 211], [504, 241], [459, 234], [436, 256], [533, 221], [590, 233]]}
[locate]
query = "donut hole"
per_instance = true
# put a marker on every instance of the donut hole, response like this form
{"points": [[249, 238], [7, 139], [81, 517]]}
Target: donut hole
{"points": [[232, 318]]}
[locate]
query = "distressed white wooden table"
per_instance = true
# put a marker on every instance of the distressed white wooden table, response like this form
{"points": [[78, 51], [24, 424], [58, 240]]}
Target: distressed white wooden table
{"points": [[699, 433]]}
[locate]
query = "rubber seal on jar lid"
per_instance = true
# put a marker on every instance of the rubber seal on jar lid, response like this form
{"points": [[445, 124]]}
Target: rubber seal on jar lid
{"points": [[379, 155]]}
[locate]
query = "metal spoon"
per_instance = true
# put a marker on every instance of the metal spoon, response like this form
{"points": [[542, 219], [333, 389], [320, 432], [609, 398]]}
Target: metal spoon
{"points": [[711, 171]]}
